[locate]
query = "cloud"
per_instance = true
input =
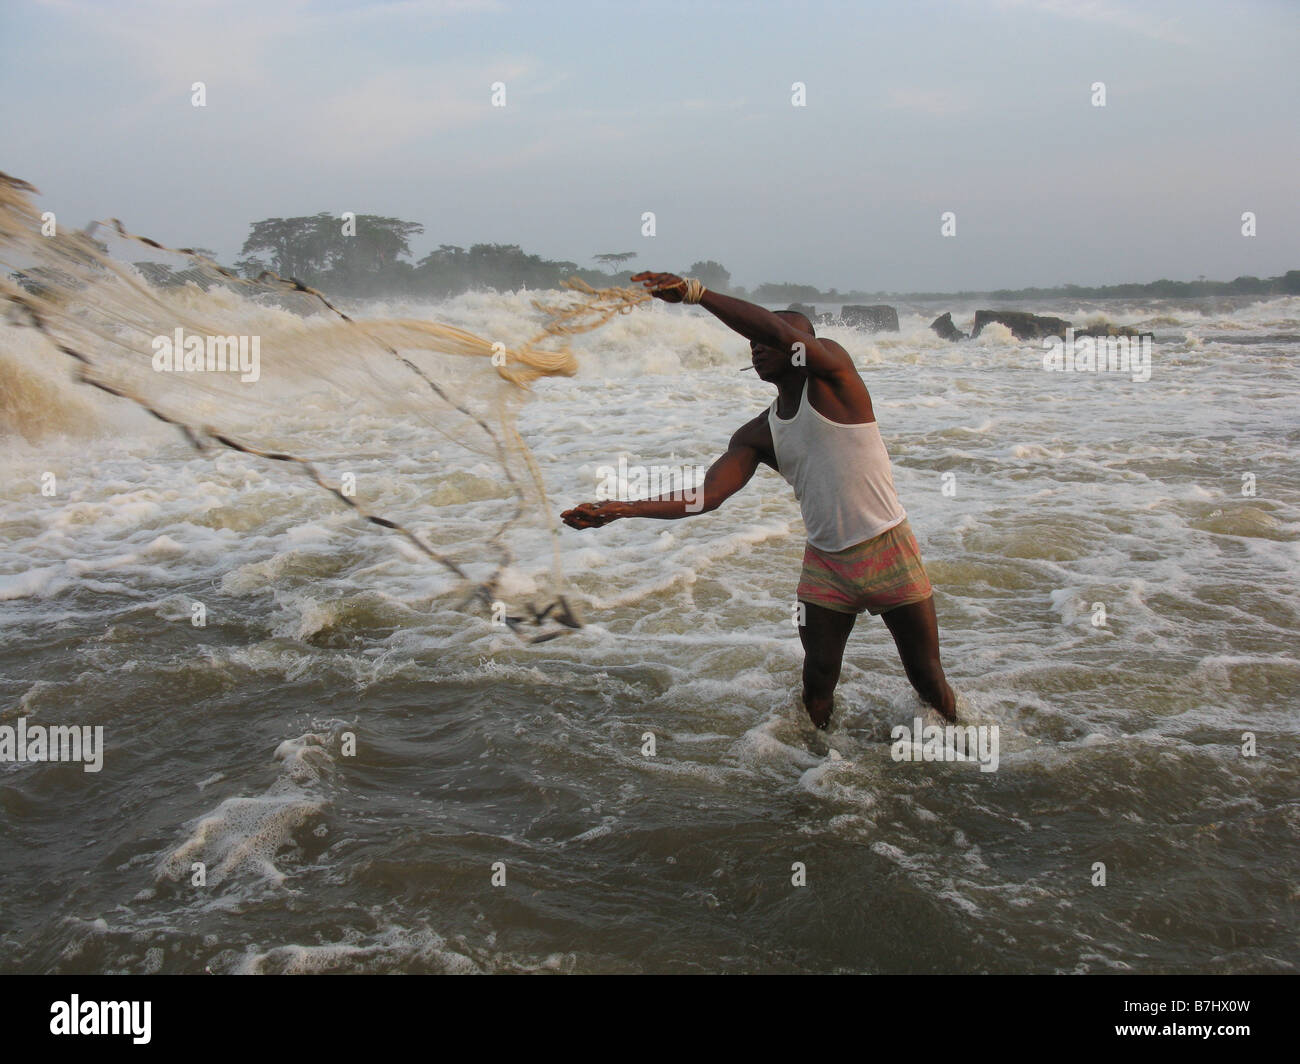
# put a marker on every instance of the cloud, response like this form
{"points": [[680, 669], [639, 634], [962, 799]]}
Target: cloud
{"points": [[395, 108], [1100, 12], [938, 103], [713, 104], [243, 39], [292, 66]]}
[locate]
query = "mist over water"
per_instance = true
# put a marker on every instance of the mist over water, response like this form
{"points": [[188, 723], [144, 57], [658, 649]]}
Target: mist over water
{"points": [[229, 744]]}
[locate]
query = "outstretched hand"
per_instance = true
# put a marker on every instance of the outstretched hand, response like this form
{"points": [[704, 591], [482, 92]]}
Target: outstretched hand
{"points": [[666, 286], [590, 515]]}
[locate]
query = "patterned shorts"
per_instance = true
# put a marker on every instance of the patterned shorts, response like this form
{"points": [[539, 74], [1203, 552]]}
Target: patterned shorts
{"points": [[877, 575]]}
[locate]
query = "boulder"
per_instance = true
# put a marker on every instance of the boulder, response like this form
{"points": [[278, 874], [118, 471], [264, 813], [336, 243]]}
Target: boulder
{"points": [[946, 329], [1023, 325], [806, 309], [1108, 330], [873, 319]]}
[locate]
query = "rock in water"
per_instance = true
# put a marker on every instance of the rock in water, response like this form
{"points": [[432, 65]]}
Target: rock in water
{"points": [[946, 329], [1108, 330], [873, 319], [1023, 325]]}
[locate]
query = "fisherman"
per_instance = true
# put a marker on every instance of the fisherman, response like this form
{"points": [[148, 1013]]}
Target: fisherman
{"points": [[821, 435]]}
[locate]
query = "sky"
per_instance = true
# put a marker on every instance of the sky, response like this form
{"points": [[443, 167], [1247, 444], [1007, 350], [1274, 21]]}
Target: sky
{"points": [[687, 110]]}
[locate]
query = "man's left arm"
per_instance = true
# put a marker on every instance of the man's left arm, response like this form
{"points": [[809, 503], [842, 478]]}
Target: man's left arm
{"points": [[757, 323]]}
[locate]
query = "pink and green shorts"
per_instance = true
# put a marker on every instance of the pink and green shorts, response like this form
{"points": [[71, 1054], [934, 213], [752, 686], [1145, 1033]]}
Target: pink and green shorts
{"points": [[877, 575]]}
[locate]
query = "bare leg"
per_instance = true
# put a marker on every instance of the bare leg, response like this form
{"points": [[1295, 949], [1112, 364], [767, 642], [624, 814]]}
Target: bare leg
{"points": [[915, 629], [824, 635]]}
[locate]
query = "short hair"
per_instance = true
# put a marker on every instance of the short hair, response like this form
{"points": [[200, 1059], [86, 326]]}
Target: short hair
{"points": [[800, 319]]}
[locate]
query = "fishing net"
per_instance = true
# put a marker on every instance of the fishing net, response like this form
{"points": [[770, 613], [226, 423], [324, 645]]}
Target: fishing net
{"points": [[223, 358]]}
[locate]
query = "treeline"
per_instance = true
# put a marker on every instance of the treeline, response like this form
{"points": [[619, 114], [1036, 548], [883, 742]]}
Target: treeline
{"points": [[370, 255], [1287, 284], [807, 293]]}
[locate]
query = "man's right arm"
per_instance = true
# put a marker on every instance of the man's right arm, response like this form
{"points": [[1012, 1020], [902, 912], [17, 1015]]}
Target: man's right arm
{"points": [[725, 477]]}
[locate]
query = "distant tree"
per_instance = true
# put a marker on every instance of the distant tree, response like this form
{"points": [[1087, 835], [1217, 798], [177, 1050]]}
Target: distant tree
{"points": [[313, 249], [787, 293], [293, 247], [370, 261], [615, 258], [442, 272], [711, 274], [451, 270]]}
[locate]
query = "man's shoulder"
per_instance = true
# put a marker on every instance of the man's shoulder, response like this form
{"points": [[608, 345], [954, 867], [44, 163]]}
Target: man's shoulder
{"points": [[756, 433], [849, 390]]}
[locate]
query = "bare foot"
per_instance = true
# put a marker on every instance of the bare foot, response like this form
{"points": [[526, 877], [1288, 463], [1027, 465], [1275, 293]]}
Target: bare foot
{"points": [[819, 710]]}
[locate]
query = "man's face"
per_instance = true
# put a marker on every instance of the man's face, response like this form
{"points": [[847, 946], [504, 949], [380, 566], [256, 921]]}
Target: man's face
{"points": [[768, 361]]}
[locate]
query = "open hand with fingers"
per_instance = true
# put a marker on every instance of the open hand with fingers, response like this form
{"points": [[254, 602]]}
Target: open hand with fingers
{"points": [[666, 286], [591, 514]]}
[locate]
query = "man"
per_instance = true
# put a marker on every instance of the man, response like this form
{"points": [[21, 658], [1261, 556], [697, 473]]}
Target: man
{"points": [[821, 435]]}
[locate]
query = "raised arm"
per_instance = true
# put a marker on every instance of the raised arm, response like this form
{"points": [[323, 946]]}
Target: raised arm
{"points": [[824, 358]]}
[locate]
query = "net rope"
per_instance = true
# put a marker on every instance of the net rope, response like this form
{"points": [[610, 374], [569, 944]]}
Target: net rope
{"points": [[97, 310]]}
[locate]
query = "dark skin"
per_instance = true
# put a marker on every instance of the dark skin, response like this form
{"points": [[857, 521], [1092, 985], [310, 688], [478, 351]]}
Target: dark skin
{"points": [[837, 391]]}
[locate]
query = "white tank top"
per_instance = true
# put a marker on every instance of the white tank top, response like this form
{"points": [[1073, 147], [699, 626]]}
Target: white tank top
{"points": [[840, 475]]}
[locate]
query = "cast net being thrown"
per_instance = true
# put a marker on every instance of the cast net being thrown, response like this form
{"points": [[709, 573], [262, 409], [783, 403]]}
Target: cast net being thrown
{"points": [[226, 359]]}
